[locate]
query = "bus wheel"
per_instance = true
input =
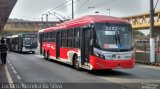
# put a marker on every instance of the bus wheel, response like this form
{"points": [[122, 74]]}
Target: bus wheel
{"points": [[33, 52], [76, 63], [48, 56], [44, 54]]}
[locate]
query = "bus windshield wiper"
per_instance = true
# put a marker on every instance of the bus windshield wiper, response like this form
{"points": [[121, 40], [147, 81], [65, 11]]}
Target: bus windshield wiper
{"points": [[117, 39]]}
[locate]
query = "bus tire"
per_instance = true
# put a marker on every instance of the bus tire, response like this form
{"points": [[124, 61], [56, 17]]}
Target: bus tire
{"points": [[33, 52], [76, 63], [44, 54], [48, 55]]}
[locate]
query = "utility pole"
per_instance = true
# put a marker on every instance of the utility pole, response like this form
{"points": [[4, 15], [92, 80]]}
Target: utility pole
{"points": [[46, 25], [72, 10], [152, 39], [42, 21], [46, 17]]}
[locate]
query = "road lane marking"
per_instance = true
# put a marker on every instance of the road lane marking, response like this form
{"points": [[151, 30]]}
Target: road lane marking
{"points": [[15, 71], [123, 80], [23, 85], [18, 77], [10, 81], [8, 61], [12, 68]]}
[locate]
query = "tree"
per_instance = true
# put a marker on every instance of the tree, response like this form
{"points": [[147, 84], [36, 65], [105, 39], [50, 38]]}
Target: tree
{"points": [[138, 34]]}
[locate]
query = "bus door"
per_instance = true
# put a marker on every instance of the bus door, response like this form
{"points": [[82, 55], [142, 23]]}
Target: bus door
{"points": [[20, 44], [57, 45], [85, 45], [40, 41]]}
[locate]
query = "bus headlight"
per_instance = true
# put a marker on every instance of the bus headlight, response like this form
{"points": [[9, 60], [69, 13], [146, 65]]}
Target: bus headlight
{"points": [[102, 56], [133, 56], [109, 56], [99, 55]]}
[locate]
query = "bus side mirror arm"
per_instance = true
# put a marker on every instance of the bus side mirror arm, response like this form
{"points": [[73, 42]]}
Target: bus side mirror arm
{"points": [[91, 42]]}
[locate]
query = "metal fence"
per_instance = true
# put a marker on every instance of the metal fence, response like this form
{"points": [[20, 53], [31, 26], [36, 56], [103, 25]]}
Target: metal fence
{"points": [[143, 50]]}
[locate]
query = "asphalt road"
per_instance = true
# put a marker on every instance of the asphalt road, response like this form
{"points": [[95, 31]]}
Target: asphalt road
{"points": [[32, 68]]}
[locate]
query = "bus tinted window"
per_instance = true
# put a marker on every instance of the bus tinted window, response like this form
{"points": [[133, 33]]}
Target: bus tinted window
{"points": [[64, 38]]}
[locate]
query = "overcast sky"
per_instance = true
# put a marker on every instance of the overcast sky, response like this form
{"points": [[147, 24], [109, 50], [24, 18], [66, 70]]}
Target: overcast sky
{"points": [[33, 9]]}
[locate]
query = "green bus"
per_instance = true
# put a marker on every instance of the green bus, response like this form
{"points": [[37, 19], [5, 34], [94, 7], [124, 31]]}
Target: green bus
{"points": [[26, 42]]}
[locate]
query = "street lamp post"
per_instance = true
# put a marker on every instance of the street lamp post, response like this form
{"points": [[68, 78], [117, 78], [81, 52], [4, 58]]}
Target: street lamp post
{"points": [[43, 21], [109, 11], [46, 17], [72, 9]]}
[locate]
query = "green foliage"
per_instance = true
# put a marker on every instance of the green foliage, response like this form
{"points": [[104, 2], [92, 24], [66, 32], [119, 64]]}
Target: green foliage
{"points": [[138, 34]]}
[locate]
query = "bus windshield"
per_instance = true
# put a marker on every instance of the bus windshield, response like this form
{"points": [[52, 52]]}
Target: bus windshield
{"points": [[30, 40], [114, 37]]}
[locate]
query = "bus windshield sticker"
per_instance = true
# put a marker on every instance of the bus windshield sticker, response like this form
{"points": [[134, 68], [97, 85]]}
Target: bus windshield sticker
{"points": [[109, 32], [110, 46], [106, 45], [113, 46]]}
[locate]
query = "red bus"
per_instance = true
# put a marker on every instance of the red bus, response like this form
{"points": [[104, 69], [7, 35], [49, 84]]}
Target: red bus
{"points": [[91, 42]]}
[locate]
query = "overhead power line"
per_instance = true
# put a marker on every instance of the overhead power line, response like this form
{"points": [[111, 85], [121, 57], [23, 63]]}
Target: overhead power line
{"points": [[58, 8], [99, 5], [102, 4], [66, 6], [156, 4], [80, 7], [60, 5]]}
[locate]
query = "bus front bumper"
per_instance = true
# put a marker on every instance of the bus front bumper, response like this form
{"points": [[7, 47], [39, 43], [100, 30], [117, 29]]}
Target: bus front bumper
{"points": [[98, 63], [28, 50]]}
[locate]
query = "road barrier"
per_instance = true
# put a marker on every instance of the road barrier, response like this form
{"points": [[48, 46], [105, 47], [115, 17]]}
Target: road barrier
{"points": [[144, 58], [148, 63]]}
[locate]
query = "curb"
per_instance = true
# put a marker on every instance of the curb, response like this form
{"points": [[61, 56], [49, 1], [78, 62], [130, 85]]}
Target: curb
{"points": [[148, 63]]}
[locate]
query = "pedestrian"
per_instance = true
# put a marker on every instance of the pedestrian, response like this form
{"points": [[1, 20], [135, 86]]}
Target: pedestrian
{"points": [[3, 51]]}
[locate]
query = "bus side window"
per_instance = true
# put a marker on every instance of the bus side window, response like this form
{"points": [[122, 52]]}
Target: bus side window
{"points": [[53, 36], [77, 37], [70, 37], [49, 36], [45, 37], [61, 35], [42, 37], [64, 38]]}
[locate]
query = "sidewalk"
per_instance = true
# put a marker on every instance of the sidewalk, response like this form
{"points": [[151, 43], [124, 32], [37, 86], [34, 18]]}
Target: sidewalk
{"points": [[147, 63]]}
